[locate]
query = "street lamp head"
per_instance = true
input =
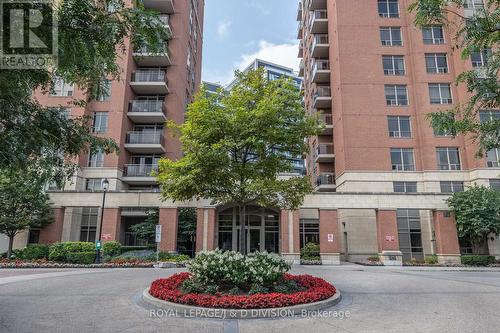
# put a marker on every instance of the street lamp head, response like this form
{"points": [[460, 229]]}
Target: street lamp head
{"points": [[105, 184]]}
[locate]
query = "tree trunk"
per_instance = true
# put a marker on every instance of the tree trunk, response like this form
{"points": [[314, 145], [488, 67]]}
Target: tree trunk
{"points": [[11, 243], [480, 247], [243, 245]]}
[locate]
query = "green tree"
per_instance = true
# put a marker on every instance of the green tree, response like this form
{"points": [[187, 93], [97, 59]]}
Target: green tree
{"points": [[471, 34], [235, 145], [93, 35], [146, 230], [477, 214], [23, 204], [187, 230]]}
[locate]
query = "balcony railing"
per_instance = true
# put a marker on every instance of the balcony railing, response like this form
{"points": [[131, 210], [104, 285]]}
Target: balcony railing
{"points": [[324, 149], [149, 75], [140, 170], [141, 138], [323, 91], [325, 179], [320, 39], [165, 19], [321, 65], [326, 119], [146, 50], [147, 106]]}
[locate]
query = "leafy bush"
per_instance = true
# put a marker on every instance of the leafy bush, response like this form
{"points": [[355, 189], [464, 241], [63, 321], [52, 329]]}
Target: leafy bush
{"points": [[477, 260], [287, 286], [112, 249], [265, 268], [431, 260], [58, 251], [373, 258], [33, 252], [257, 288], [310, 251], [145, 255], [138, 248], [82, 258], [172, 257]]}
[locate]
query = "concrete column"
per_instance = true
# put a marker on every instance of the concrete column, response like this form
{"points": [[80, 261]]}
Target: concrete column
{"points": [[290, 235], [494, 246], [72, 224], [168, 221], [112, 220], [329, 237], [52, 233], [388, 240], [447, 246], [205, 229]]}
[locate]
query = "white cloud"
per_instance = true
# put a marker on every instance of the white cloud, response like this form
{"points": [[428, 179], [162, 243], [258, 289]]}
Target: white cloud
{"points": [[259, 6], [223, 28]]}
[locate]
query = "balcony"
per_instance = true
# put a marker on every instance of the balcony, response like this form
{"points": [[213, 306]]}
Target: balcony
{"points": [[301, 68], [321, 46], [163, 6], [299, 11], [317, 4], [325, 153], [149, 82], [325, 182], [321, 71], [147, 111], [139, 174], [322, 98], [145, 58], [300, 31], [327, 121], [301, 49], [319, 22], [145, 142]]}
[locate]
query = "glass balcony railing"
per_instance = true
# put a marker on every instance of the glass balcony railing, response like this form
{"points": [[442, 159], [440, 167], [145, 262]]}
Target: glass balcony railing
{"points": [[140, 170], [144, 138], [324, 149], [147, 106], [326, 119], [325, 179], [323, 91], [149, 75]]}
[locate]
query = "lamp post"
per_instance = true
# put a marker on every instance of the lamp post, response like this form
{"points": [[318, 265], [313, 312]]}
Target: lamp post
{"points": [[105, 186]]}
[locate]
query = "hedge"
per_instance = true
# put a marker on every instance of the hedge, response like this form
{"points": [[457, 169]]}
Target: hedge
{"points": [[112, 249], [58, 251], [83, 258], [33, 252], [478, 260]]}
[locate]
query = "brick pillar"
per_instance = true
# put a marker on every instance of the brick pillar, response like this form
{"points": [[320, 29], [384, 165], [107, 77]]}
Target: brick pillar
{"points": [[447, 246], [112, 220], [387, 236], [290, 235], [168, 221], [52, 233], [329, 237], [205, 229]]}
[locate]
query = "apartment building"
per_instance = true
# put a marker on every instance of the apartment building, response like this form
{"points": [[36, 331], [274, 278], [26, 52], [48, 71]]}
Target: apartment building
{"points": [[372, 76]]}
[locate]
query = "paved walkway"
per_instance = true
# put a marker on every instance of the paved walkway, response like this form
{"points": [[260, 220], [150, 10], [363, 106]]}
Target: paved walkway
{"points": [[375, 299]]}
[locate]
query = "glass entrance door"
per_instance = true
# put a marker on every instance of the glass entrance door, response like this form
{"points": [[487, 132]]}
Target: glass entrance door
{"points": [[253, 240]]}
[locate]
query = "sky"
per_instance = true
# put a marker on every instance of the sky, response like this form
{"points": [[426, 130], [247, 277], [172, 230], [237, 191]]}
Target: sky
{"points": [[238, 31]]}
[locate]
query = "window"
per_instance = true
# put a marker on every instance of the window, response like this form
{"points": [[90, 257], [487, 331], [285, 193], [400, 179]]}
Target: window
{"points": [[100, 122], [451, 187], [410, 234], [489, 115], [473, 4], [433, 34], [405, 187], [495, 184], [309, 231], [402, 159], [391, 36], [62, 88], [89, 224], [93, 184], [34, 236], [396, 95], [104, 91], [480, 59], [493, 158], [399, 126], [440, 93], [448, 158], [393, 65], [388, 8], [436, 63], [96, 159]]}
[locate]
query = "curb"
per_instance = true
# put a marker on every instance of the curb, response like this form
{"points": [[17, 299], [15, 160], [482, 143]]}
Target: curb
{"points": [[186, 311]]}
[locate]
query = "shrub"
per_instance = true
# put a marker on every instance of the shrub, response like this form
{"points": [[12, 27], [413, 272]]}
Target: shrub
{"points": [[258, 289], [265, 268], [111, 249], [144, 255], [138, 248], [58, 251], [373, 258], [34, 252], [172, 257], [431, 260], [310, 252], [82, 258], [477, 260]]}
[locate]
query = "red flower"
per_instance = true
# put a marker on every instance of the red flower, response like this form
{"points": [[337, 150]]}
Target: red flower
{"points": [[316, 290]]}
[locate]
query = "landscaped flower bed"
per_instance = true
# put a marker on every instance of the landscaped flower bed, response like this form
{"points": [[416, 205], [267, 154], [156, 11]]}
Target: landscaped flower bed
{"points": [[315, 290], [40, 263]]}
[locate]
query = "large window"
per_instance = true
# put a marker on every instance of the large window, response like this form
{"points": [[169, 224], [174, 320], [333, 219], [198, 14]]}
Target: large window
{"points": [[388, 8], [393, 65], [495, 184], [104, 92], [410, 234], [61, 88], [402, 159], [391, 36], [489, 115], [100, 122], [493, 158], [448, 158], [473, 4], [96, 159], [451, 187], [89, 224], [436, 63], [93, 184], [396, 95], [309, 231], [433, 34], [480, 59], [399, 126], [440, 93], [405, 187]]}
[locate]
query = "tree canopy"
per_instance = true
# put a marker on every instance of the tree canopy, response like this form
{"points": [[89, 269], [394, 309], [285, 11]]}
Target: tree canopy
{"points": [[477, 33]]}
